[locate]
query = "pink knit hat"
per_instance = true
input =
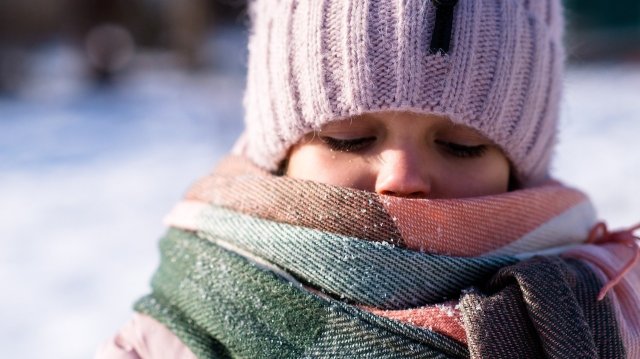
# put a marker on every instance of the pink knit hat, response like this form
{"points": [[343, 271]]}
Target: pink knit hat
{"points": [[493, 65]]}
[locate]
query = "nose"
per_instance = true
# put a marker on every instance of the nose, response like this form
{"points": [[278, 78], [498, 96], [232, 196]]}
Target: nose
{"points": [[403, 174]]}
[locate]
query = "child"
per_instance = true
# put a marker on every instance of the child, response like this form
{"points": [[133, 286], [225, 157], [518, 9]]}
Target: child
{"points": [[391, 198]]}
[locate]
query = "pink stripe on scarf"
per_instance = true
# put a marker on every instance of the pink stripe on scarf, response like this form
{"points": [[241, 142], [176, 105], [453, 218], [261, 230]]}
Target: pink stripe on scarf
{"points": [[444, 318], [475, 226], [607, 260]]}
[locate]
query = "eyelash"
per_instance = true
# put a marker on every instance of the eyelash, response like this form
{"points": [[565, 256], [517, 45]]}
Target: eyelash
{"points": [[348, 145], [359, 144], [463, 151]]}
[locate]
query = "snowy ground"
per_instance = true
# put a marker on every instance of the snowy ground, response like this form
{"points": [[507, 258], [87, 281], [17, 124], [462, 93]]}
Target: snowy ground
{"points": [[86, 176]]}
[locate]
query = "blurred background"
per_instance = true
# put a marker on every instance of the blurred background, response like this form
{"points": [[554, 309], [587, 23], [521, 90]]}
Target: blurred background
{"points": [[109, 109]]}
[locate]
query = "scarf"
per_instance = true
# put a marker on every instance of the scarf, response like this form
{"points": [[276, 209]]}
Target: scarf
{"points": [[260, 266]]}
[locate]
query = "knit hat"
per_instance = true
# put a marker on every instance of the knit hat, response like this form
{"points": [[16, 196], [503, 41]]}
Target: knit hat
{"points": [[493, 65]]}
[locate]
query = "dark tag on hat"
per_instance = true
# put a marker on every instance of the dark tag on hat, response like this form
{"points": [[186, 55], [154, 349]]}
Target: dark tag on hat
{"points": [[443, 27]]}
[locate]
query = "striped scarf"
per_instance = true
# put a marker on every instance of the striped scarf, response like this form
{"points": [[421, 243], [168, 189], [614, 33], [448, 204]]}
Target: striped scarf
{"points": [[261, 266]]}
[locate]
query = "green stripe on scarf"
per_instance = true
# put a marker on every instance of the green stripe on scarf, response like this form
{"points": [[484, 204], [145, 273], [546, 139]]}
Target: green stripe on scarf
{"points": [[202, 291], [370, 273]]}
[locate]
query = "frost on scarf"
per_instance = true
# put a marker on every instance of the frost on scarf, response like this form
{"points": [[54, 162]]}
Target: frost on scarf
{"points": [[259, 265]]}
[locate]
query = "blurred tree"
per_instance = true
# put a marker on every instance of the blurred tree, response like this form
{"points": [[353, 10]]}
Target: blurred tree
{"points": [[233, 11], [27, 22], [24, 23], [188, 24], [603, 29], [605, 14], [107, 31]]}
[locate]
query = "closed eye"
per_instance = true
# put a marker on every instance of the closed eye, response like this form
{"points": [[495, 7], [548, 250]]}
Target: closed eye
{"points": [[347, 145], [462, 151]]}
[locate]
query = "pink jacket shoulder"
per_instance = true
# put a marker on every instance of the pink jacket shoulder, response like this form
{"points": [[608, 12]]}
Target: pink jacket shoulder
{"points": [[144, 338]]}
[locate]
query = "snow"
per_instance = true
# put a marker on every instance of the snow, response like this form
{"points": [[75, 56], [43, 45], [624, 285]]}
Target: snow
{"points": [[86, 176], [599, 147]]}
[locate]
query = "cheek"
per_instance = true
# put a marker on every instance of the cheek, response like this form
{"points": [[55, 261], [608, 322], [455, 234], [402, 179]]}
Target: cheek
{"points": [[486, 176], [500, 173], [315, 163], [491, 176]]}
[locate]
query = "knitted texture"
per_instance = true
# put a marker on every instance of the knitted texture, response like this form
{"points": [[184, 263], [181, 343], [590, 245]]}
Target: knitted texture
{"points": [[316, 61]]}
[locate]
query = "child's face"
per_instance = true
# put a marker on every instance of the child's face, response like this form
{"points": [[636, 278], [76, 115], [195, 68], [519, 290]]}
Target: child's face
{"points": [[402, 154]]}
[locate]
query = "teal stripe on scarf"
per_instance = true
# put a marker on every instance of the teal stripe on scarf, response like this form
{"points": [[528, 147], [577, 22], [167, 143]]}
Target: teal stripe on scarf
{"points": [[222, 306], [370, 273]]}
